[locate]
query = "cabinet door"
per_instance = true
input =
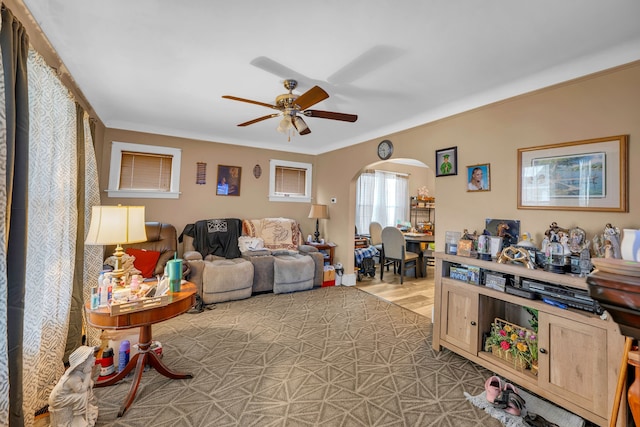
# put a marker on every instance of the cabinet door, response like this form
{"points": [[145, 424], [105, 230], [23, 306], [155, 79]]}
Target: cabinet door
{"points": [[460, 316], [572, 361]]}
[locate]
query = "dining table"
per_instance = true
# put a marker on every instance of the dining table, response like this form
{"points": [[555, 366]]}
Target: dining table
{"points": [[414, 243]]}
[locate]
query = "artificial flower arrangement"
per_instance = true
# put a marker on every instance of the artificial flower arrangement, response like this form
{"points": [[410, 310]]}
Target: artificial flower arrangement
{"points": [[513, 343], [423, 192]]}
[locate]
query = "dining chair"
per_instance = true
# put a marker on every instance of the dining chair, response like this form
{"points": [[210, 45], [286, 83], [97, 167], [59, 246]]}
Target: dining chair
{"points": [[375, 236], [394, 249]]}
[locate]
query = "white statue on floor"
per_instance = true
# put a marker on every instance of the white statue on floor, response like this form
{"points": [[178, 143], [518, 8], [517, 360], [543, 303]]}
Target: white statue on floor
{"points": [[72, 403]]}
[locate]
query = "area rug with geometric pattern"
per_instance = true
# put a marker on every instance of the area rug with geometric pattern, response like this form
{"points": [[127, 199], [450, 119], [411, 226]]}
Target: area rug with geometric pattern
{"points": [[332, 356]]}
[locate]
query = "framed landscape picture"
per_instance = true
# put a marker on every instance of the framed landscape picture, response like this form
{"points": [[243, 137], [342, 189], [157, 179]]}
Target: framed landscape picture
{"points": [[447, 161], [228, 180], [588, 175]]}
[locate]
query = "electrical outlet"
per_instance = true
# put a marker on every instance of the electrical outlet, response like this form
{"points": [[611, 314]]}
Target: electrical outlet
{"points": [[334, 200]]}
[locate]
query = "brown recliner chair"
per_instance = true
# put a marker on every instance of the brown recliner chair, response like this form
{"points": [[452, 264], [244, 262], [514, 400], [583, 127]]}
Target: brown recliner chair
{"points": [[161, 237]]}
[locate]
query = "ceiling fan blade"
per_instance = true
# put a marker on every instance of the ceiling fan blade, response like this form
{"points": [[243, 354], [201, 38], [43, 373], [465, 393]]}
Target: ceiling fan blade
{"points": [[300, 126], [374, 58], [235, 98], [259, 119], [331, 115], [311, 97], [275, 68]]}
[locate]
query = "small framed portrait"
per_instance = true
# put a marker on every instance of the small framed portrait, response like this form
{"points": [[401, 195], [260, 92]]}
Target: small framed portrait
{"points": [[447, 161], [478, 178], [228, 180]]}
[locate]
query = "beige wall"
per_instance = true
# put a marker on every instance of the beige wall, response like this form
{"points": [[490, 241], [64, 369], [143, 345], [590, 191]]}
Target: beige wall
{"points": [[603, 105], [200, 201]]}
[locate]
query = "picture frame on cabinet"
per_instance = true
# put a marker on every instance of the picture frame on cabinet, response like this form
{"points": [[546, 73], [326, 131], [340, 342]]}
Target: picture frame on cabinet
{"points": [[447, 161], [589, 175]]}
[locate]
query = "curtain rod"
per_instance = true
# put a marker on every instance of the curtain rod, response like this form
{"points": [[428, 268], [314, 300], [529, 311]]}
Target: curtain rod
{"points": [[384, 171]]}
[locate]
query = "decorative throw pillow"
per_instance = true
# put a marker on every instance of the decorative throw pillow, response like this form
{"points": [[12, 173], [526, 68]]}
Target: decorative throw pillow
{"points": [[145, 260]]}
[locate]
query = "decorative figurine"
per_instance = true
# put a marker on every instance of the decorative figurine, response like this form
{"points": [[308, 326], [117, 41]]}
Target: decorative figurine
{"points": [[526, 240], [504, 234], [585, 262], [554, 228], [72, 402], [598, 246], [513, 254], [612, 242], [484, 245], [577, 240]]}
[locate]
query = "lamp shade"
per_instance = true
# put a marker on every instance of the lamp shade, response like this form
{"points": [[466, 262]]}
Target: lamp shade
{"points": [[112, 225], [319, 212]]}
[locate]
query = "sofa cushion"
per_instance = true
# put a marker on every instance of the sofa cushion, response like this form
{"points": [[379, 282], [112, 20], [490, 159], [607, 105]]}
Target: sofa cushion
{"points": [[145, 260], [277, 233], [292, 273]]}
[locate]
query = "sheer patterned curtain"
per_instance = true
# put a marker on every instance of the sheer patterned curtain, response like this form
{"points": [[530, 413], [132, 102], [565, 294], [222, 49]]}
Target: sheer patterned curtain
{"points": [[381, 197], [92, 253], [52, 229]]}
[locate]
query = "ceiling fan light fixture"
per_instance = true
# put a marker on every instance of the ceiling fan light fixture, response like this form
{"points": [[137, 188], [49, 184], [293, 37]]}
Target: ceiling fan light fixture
{"points": [[285, 124], [299, 124]]}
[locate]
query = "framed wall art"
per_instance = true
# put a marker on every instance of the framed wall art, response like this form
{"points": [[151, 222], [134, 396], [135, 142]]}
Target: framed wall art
{"points": [[447, 161], [478, 177], [228, 180], [588, 175]]}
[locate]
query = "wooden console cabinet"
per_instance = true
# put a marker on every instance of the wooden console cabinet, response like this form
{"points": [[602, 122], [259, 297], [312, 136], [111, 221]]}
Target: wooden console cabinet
{"points": [[579, 354]]}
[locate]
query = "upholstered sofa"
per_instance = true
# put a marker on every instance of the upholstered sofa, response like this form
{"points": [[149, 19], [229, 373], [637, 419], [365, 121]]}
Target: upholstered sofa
{"points": [[272, 246]]}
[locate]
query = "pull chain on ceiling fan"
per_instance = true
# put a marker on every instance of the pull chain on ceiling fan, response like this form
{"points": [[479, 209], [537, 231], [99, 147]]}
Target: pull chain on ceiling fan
{"points": [[292, 107]]}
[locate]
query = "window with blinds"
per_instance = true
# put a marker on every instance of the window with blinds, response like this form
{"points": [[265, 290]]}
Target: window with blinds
{"points": [[144, 171], [290, 181]]}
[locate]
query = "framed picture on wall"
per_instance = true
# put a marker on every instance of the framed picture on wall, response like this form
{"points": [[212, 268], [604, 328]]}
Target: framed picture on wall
{"points": [[228, 180], [478, 178], [447, 161], [589, 175]]}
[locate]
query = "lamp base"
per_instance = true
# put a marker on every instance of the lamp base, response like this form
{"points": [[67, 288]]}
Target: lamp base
{"points": [[316, 235]]}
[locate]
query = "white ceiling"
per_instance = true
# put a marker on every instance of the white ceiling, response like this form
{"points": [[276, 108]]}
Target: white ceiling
{"points": [[162, 66]]}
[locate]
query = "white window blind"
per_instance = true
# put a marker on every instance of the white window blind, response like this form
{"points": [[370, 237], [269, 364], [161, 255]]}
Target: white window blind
{"points": [[290, 180], [144, 171]]}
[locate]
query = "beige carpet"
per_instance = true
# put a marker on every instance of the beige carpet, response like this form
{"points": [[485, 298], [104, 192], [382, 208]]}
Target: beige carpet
{"points": [[333, 356]]}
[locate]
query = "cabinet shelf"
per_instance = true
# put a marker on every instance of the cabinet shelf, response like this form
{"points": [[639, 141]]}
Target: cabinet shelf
{"points": [[577, 370]]}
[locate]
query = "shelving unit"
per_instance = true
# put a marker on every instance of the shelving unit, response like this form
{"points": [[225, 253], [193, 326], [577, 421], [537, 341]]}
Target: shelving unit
{"points": [[579, 351], [421, 211]]}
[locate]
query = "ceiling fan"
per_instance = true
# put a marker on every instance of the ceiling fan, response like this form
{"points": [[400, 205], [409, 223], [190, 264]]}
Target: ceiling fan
{"points": [[292, 107]]}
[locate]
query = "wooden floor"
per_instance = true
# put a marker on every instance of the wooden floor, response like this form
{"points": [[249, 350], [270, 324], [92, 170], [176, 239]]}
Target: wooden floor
{"points": [[414, 294]]}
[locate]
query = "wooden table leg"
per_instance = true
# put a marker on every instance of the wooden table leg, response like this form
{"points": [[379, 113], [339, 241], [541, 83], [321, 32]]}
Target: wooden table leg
{"points": [[622, 378], [633, 394], [144, 356]]}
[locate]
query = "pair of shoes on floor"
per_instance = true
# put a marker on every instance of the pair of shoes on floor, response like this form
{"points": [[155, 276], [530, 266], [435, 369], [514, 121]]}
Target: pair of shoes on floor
{"points": [[504, 396], [534, 420]]}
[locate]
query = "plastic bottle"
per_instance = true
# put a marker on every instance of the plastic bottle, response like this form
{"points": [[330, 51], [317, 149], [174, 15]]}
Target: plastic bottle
{"points": [[135, 284], [106, 364], [109, 289], [104, 297], [95, 298], [123, 355]]}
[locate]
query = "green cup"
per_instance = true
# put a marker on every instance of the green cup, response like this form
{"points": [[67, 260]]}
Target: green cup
{"points": [[174, 270]]}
